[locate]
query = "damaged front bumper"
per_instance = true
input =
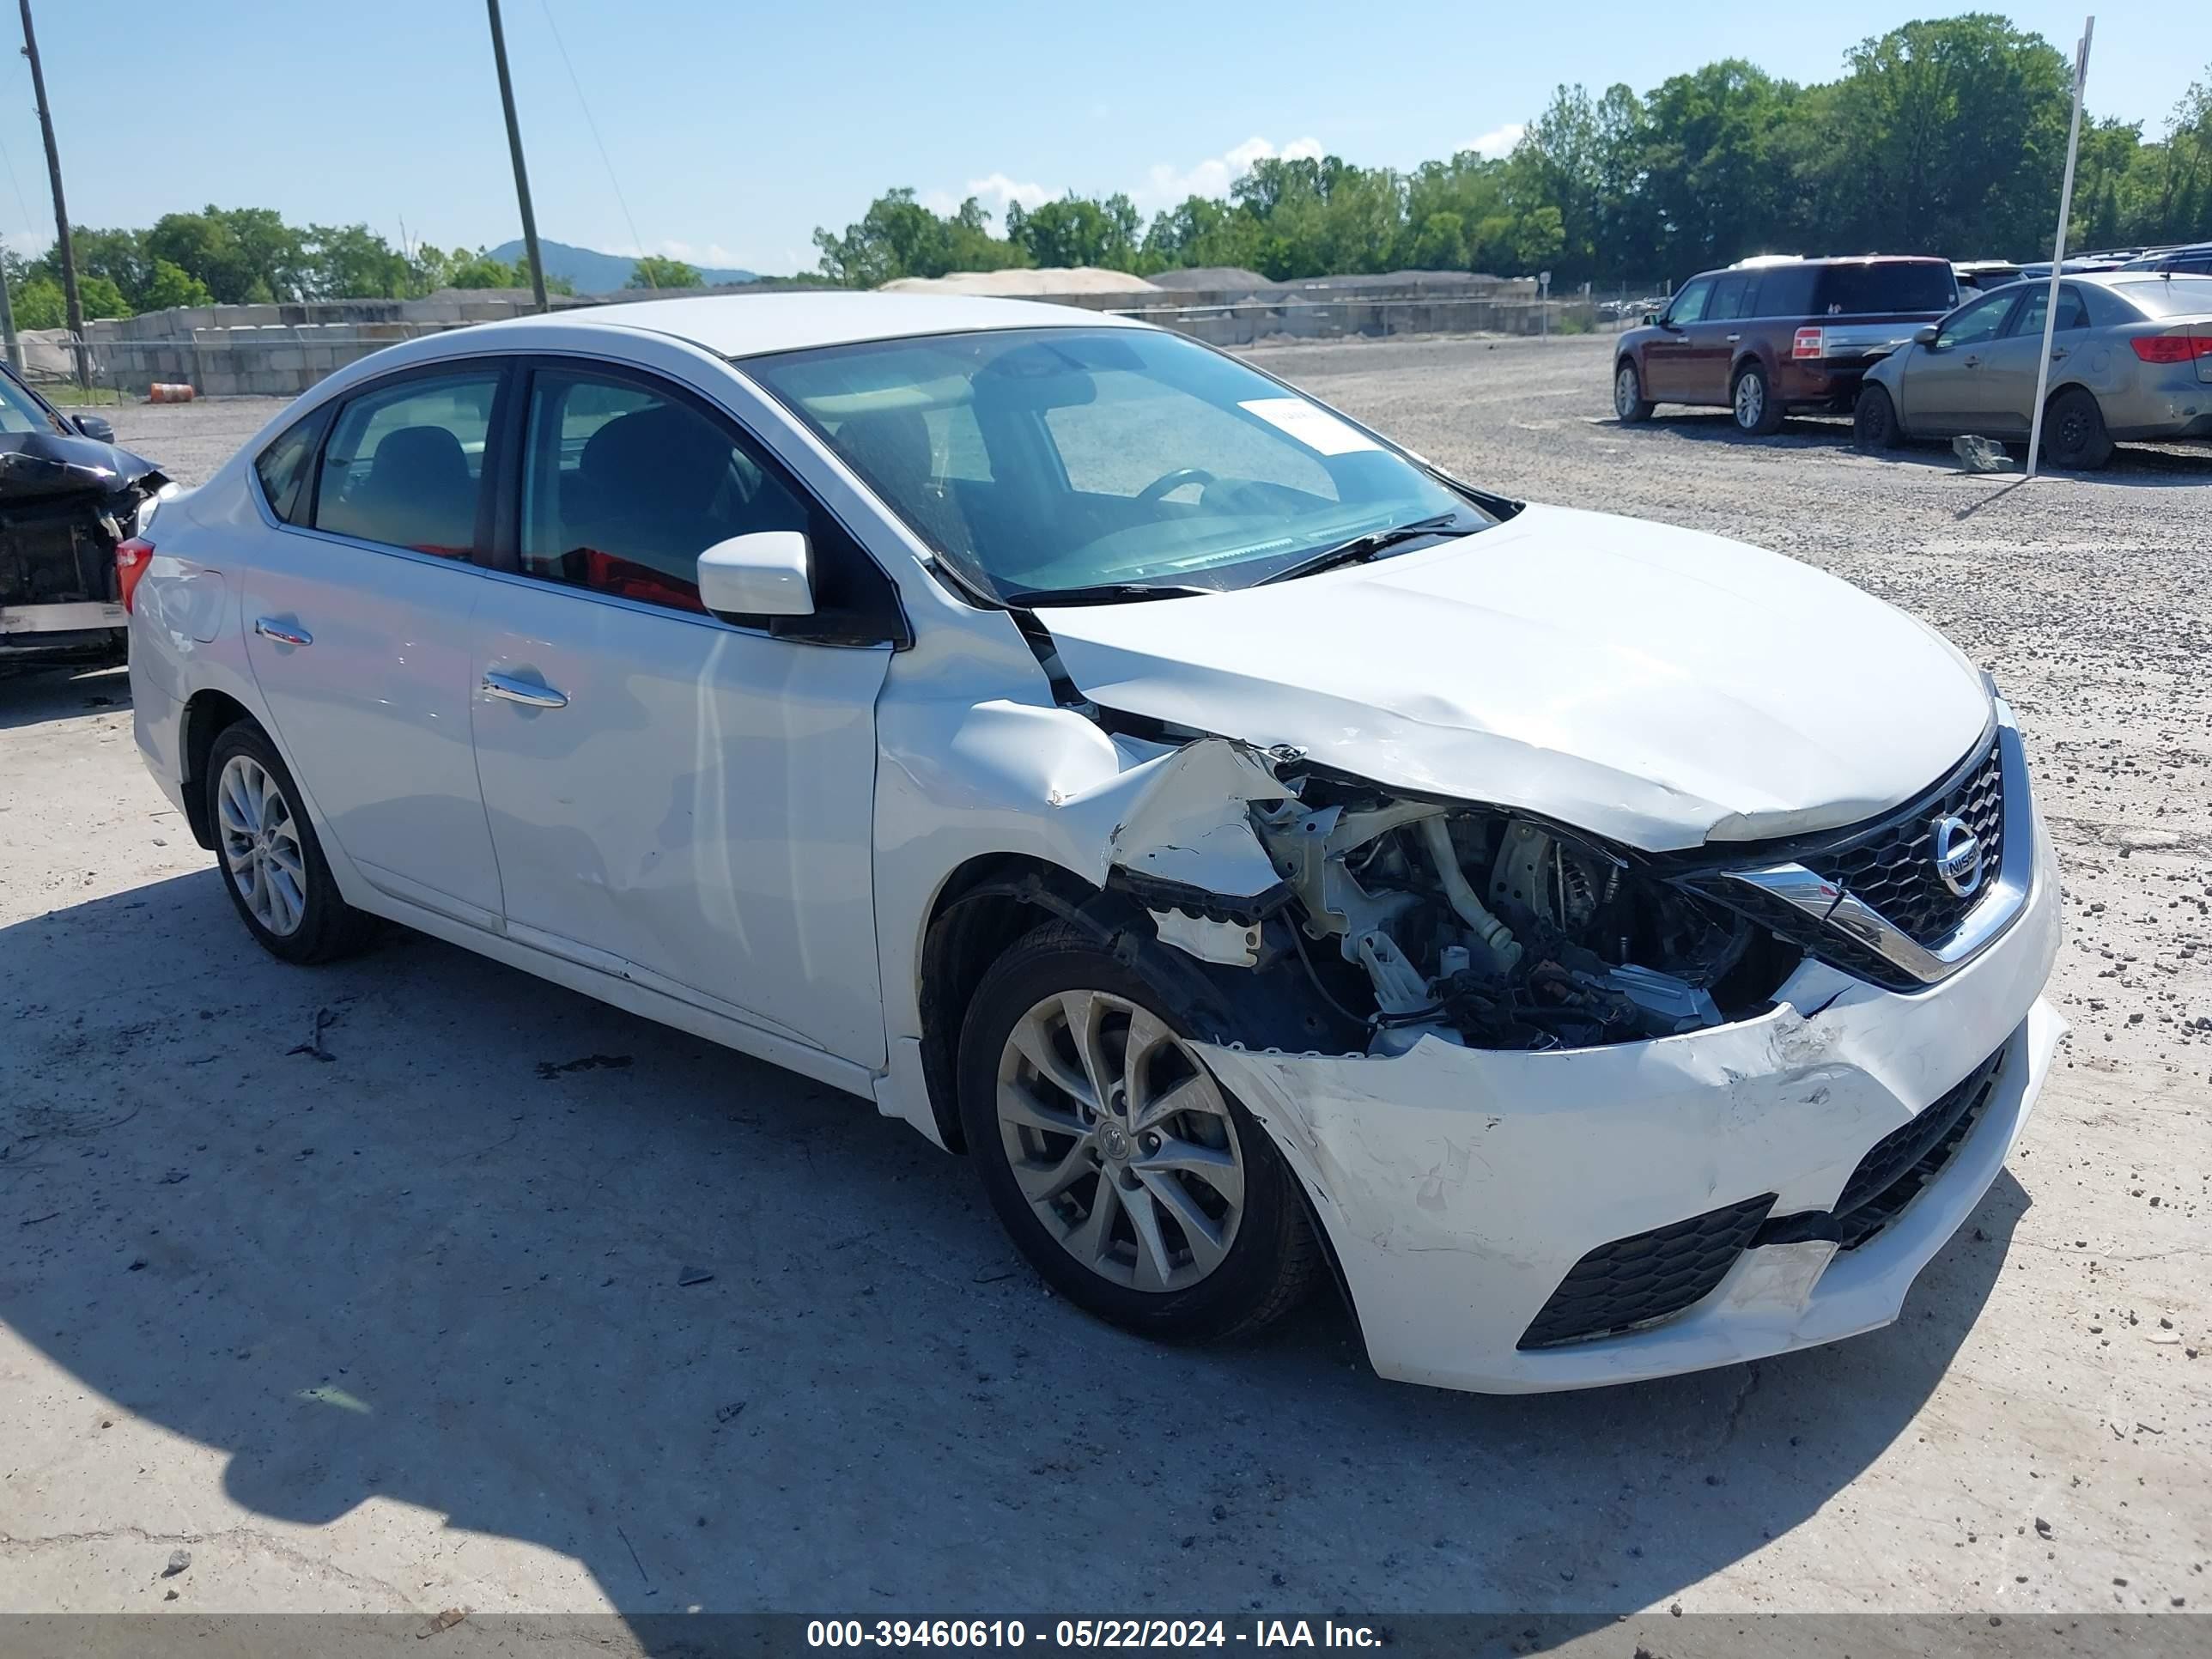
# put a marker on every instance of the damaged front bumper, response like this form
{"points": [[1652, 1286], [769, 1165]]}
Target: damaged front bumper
{"points": [[1463, 1190]]}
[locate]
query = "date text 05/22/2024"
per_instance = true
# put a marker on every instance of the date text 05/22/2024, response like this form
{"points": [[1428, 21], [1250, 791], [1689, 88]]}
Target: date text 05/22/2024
{"points": [[1084, 1633]]}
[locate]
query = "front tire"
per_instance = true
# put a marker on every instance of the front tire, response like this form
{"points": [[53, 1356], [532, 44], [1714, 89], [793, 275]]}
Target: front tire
{"points": [[271, 863], [2074, 434], [1629, 402], [1751, 402], [1138, 1187], [1874, 421]]}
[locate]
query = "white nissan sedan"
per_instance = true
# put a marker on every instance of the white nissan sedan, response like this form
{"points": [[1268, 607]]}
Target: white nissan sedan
{"points": [[1609, 950]]}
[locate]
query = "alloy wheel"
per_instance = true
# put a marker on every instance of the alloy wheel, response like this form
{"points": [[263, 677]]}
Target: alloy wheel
{"points": [[1121, 1141], [261, 852], [1625, 392], [1750, 401]]}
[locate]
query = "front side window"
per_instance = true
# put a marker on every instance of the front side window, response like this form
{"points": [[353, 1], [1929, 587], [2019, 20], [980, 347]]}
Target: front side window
{"points": [[1689, 305], [1977, 323], [623, 489], [1047, 460], [404, 464]]}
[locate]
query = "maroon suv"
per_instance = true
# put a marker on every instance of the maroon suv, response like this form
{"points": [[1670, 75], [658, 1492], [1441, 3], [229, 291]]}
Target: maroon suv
{"points": [[1770, 336]]}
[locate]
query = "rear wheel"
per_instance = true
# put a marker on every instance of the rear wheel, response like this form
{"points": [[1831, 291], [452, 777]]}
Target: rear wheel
{"points": [[272, 865], [1752, 402], [1629, 402], [1874, 420], [1140, 1189], [2074, 434]]}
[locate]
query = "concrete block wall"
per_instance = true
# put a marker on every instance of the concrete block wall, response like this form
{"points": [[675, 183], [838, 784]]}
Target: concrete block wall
{"points": [[280, 350]]}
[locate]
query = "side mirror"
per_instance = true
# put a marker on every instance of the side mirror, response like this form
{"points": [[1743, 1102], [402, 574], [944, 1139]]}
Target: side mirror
{"points": [[96, 426], [761, 574], [1925, 337]]}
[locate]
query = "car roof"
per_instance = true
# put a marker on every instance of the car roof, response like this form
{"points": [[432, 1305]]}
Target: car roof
{"points": [[748, 324]]}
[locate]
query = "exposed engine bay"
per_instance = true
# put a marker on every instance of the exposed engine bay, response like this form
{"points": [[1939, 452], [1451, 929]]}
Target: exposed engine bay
{"points": [[1486, 927]]}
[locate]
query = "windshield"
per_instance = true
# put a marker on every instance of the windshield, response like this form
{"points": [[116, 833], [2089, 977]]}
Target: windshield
{"points": [[21, 412], [1055, 459]]}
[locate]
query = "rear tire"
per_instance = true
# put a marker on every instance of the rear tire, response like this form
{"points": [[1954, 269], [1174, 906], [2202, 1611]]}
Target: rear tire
{"points": [[272, 864], [1629, 402], [2074, 435], [1069, 1060], [1751, 403], [1874, 421]]}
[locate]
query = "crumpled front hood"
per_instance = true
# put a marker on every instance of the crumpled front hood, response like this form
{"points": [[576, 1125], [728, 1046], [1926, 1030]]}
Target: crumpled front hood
{"points": [[40, 464], [1654, 685]]}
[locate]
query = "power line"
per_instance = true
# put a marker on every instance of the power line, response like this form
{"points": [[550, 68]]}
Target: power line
{"points": [[583, 103]]}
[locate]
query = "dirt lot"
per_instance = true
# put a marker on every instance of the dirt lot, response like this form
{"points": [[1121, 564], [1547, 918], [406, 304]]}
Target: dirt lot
{"points": [[400, 1325]]}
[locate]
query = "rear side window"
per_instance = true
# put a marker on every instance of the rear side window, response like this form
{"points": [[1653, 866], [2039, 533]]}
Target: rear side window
{"points": [[1854, 290], [2072, 314], [404, 464], [282, 467], [1785, 292]]}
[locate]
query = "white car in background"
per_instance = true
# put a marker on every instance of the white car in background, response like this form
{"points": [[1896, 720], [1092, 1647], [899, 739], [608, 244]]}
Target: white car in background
{"points": [[1615, 950]]}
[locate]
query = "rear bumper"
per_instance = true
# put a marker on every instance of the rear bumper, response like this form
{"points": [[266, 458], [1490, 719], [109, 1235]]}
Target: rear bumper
{"points": [[1460, 1187]]}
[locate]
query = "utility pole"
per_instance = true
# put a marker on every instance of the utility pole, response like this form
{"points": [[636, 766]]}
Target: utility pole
{"points": [[61, 207], [2058, 249], [515, 147], [8, 324]]}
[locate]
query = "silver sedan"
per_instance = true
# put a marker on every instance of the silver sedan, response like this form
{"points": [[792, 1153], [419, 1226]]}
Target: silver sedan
{"points": [[2131, 360]]}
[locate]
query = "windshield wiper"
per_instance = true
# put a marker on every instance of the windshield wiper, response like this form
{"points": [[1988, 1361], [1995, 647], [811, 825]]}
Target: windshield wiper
{"points": [[1360, 548], [1104, 593]]}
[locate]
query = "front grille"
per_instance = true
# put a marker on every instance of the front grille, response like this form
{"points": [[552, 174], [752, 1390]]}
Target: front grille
{"points": [[1891, 867], [1902, 1163], [1639, 1280]]}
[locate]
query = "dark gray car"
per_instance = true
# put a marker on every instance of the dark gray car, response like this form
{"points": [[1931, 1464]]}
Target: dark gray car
{"points": [[2131, 359]]}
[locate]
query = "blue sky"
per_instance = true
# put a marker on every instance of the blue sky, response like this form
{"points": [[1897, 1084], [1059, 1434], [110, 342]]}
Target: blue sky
{"points": [[734, 129]]}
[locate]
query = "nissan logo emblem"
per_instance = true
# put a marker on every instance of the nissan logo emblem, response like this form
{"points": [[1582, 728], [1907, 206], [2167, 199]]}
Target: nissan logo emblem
{"points": [[1958, 856]]}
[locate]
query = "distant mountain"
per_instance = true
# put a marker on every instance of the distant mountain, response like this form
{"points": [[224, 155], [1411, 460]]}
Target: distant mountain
{"points": [[593, 272]]}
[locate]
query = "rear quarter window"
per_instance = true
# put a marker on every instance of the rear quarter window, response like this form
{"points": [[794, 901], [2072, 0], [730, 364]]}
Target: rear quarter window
{"points": [[283, 466], [1854, 290]]}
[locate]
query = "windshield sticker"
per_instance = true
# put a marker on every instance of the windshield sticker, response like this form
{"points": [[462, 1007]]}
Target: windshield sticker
{"points": [[1311, 425]]}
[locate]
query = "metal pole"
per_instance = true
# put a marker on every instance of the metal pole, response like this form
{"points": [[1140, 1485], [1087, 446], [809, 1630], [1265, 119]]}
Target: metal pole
{"points": [[76, 305], [2058, 249], [7, 323], [514, 146]]}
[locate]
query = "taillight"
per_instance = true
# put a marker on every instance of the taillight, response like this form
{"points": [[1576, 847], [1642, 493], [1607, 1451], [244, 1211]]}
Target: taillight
{"points": [[2172, 347], [132, 556], [1809, 342]]}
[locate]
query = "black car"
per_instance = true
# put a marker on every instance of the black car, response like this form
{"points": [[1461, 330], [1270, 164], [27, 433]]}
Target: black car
{"points": [[68, 495]]}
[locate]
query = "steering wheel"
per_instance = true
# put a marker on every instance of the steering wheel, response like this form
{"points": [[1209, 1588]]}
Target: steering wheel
{"points": [[1168, 483]]}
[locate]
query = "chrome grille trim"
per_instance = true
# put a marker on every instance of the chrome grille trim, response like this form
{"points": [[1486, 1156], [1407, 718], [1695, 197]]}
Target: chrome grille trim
{"points": [[1832, 906]]}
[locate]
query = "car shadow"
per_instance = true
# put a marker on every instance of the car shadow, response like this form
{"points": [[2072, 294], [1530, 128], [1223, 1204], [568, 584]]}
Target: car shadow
{"points": [[2132, 464], [424, 1228], [31, 696]]}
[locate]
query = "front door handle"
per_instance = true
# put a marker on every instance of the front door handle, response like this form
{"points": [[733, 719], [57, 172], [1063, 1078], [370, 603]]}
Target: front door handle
{"points": [[529, 693], [283, 633], [1733, 338], [1972, 362], [2056, 353]]}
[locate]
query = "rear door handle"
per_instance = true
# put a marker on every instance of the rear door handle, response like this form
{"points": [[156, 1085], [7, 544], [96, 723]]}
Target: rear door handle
{"points": [[2056, 353], [529, 693], [283, 633], [1972, 362], [1733, 338]]}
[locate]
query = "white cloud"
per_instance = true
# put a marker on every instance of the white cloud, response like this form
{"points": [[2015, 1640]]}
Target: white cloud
{"points": [[695, 253], [1167, 184], [1498, 141], [994, 193]]}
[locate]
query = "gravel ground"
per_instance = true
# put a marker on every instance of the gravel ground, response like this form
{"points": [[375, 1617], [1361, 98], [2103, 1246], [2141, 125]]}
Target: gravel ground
{"points": [[400, 1325]]}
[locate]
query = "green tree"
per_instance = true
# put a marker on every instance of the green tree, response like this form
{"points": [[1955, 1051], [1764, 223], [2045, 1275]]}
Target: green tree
{"points": [[899, 237], [1441, 243], [1077, 231], [654, 271], [351, 262], [39, 303], [171, 285]]}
